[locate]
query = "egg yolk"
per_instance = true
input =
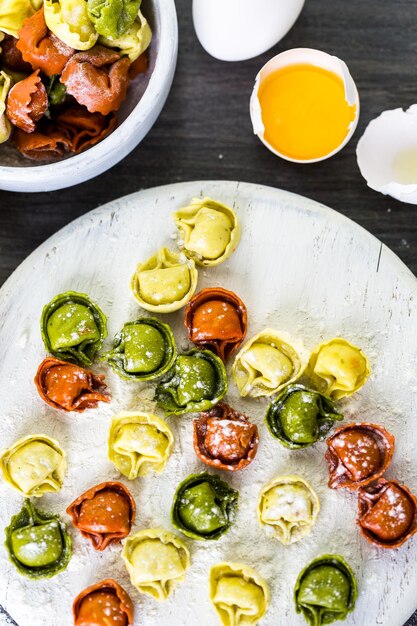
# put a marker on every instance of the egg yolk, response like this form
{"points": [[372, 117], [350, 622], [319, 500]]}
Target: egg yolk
{"points": [[304, 111]]}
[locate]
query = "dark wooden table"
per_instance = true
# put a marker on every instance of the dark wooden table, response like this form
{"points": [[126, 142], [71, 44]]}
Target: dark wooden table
{"points": [[204, 131]]}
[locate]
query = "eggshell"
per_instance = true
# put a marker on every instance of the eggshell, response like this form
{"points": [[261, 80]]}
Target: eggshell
{"points": [[235, 30], [312, 57], [387, 154]]}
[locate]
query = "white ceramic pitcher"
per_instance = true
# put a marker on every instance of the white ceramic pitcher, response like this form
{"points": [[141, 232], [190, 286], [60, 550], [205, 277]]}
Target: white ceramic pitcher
{"points": [[235, 30]]}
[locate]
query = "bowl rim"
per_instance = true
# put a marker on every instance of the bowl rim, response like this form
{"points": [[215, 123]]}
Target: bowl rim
{"points": [[112, 149]]}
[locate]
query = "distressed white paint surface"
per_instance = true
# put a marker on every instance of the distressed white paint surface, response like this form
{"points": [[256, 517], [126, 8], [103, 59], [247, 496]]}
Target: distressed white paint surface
{"points": [[299, 267]]}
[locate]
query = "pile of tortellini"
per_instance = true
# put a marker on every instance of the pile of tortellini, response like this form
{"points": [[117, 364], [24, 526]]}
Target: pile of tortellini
{"points": [[65, 66], [304, 389]]}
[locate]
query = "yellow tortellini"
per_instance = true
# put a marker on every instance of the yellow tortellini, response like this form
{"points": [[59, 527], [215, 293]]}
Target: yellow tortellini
{"points": [[68, 20], [5, 126], [138, 443], [165, 282], [134, 42], [156, 561], [289, 506], [14, 12], [267, 363], [34, 465], [239, 594], [209, 230], [338, 368]]}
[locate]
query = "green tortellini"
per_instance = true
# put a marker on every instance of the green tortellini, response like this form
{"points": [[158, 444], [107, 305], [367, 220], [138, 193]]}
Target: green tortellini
{"points": [[299, 417], [209, 231], [143, 350], [69, 20], [14, 12], [338, 368], [138, 443], [5, 126], [38, 543], [289, 506], [196, 383], [55, 90], [239, 594], [165, 282], [135, 40], [156, 561], [267, 363], [325, 590], [73, 328], [34, 465], [204, 506], [112, 18]]}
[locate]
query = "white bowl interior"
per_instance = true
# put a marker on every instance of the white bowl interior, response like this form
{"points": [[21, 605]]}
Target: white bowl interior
{"points": [[145, 98]]}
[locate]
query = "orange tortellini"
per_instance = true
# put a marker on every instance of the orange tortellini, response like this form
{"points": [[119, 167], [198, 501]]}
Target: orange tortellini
{"points": [[338, 368]]}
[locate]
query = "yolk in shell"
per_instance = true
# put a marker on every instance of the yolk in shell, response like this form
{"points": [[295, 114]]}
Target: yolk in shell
{"points": [[304, 111]]}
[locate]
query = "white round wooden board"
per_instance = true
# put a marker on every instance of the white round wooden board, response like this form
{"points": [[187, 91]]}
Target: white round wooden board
{"points": [[299, 267]]}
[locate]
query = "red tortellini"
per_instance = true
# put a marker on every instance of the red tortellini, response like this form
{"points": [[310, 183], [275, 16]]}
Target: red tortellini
{"points": [[225, 439], [104, 514], [27, 102], [73, 130], [41, 48], [104, 604], [358, 454], [69, 387], [216, 319], [97, 79], [387, 515]]}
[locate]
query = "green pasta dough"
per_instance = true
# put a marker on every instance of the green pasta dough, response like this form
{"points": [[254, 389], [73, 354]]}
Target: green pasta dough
{"points": [[142, 350], [197, 382], [204, 506], [73, 328], [112, 18], [38, 543], [299, 417], [325, 590]]}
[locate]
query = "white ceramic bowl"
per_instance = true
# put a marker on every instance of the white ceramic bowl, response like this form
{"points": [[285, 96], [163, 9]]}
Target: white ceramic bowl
{"points": [[312, 57], [145, 98]]}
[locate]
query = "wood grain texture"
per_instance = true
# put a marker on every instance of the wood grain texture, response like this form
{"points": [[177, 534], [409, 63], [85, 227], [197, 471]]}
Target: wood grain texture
{"points": [[204, 130]]}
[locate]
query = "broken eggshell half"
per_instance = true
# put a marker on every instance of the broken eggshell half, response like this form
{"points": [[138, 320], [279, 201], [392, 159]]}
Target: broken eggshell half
{"points": [[387, 154]]}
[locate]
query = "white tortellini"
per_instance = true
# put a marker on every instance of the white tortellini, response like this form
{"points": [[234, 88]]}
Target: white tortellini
{"points": [[68, 20], [5, 126], [267, 363], [134, 41], [165, 282], [138, 443], [156, 561], [239, 594], [34, 465], [338, 368], [14, 12], [289, 506], [209, 230]]}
